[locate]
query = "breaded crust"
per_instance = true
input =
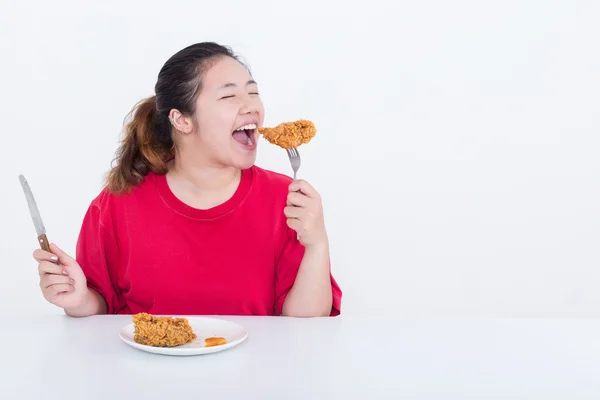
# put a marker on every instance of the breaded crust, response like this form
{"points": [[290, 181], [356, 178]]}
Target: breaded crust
{"points": [[290, 134], [161, 331]]}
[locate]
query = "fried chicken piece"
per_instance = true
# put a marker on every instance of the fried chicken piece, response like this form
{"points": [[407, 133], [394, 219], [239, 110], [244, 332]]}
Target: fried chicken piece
{"points": [[290, 134], [161, 331], [214, 341]]}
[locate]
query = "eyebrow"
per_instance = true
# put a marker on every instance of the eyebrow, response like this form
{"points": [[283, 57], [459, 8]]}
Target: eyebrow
{"points": [[228, 85]]}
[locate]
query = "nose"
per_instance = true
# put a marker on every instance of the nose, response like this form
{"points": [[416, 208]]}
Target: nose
{"points": [[250, 106]]}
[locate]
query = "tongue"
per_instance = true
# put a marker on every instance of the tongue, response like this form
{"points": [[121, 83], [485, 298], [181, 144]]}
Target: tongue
{"points": [[240, 136]]}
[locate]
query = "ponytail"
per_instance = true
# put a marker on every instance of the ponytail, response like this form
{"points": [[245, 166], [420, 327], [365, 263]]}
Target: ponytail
{"points": [[141, 150]]}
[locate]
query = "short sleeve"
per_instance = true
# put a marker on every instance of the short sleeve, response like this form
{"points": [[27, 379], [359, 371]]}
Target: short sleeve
{"points": [[97, 255], [287, 268]]}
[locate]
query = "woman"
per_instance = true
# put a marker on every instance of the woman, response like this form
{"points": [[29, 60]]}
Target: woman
{"points": [[187, 224]]}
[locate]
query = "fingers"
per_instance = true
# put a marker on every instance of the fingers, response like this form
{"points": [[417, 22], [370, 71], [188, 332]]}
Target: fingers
{"points": [[55, 280], [297, 199], [304, 187], [59, 288], [47, 267], [63, 257], [296, 225], [293, 212], [41, 255]]}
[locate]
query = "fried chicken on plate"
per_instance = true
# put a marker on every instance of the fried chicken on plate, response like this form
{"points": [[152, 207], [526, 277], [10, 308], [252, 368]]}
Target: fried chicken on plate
{"points": [[162, 331], [290, 134]]}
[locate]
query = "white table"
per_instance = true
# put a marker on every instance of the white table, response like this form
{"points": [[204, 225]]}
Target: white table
{"points": [[57, 357]]}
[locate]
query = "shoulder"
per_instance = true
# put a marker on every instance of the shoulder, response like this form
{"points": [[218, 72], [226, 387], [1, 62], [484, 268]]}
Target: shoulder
{"points": [[270, 186], [106, 197], [271, 179], [107, 203]]}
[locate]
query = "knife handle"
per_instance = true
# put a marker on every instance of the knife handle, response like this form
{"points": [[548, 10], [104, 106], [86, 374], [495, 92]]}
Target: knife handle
{"points": [[43, 240]]}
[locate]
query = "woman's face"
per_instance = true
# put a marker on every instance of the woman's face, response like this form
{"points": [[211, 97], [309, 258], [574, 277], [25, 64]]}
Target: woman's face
{"points": [[228, 113]]}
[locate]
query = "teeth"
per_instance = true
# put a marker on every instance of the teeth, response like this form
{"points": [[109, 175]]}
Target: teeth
{"points": [[250, 142], [249, 126]]}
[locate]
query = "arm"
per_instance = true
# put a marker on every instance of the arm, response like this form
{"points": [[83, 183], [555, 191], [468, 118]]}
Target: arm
{"points": [[98, 257], [93, 303], [64, 284], [305, 286], [311, 296]]}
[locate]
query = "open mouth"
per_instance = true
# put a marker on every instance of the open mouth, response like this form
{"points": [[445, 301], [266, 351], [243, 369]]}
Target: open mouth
{"points": [[245, 134]]}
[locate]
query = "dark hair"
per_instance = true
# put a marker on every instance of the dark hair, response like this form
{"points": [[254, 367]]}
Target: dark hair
{"points": [[147, 144]]}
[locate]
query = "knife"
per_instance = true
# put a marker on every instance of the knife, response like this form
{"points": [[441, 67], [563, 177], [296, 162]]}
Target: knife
{"points": [[35, 215]]}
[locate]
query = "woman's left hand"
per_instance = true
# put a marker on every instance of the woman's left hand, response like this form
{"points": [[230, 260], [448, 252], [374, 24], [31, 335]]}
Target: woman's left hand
{"points": [[304, 213]]}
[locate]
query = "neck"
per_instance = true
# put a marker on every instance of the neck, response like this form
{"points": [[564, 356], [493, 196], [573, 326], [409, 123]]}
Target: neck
{"points": [[202, 185], [205, 178]]}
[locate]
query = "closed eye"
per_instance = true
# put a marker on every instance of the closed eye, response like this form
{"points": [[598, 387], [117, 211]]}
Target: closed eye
{"points": [[233, 95]]}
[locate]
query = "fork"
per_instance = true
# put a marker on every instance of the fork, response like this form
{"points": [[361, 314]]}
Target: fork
{"points": [[295, 161]]}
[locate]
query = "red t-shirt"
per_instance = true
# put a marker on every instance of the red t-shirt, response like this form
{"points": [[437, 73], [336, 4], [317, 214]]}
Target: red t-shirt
{"points": [[147, 251]]}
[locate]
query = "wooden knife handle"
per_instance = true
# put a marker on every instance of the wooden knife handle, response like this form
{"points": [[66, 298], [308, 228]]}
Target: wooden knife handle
{"points": [[43, 240]]}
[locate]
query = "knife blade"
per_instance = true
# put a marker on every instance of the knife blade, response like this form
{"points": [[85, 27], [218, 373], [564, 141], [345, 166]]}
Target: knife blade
{"points": [[35, 215]]}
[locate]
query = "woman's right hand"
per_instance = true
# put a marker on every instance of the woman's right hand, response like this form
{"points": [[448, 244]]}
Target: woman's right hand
{"points": [[62, 280]]}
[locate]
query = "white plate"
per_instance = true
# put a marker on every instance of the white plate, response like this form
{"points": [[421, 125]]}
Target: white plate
{"points": [[203, 328]]}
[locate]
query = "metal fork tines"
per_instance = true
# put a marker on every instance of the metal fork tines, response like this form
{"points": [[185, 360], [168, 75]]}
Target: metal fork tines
{"points": [[295, 161]]}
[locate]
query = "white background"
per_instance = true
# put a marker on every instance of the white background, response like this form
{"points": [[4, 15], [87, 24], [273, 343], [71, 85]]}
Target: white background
{"points": [[457, 144]]}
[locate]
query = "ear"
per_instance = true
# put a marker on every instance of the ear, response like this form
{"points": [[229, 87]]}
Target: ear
{"points": [[181, 122]]}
